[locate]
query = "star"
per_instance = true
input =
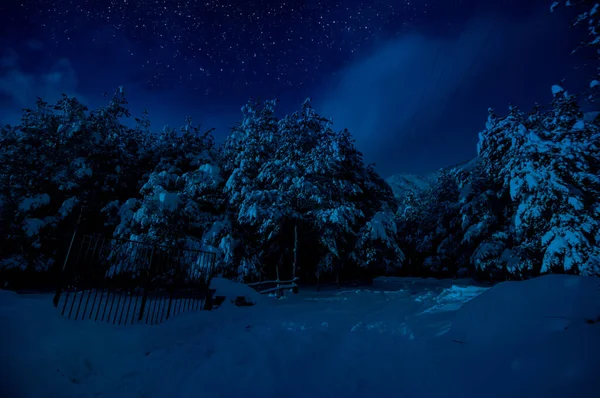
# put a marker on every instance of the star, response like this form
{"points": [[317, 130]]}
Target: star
{"points": [[244, 43]]}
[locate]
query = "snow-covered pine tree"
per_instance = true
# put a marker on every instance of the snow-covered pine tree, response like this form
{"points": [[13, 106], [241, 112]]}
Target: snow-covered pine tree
{"points": [[377, 246], [269, 187], [123, 157], [331, 168], [445, 225], [487, 209], [558, 189], [547, 165], [485, 230], [49, 142], [298, 172], [430, 224], [285, 177], [249, 146], [411, 210], [58, 158], [181, 200], [354, 213]]}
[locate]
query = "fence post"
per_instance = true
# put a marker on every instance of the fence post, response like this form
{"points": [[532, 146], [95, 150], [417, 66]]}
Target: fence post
{"points": [[208, 295], [295, 289], [62, 271], [279, 291], [146, 283]]}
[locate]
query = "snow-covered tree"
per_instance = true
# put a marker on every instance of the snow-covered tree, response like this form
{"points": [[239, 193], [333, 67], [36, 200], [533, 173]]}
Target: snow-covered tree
{"points": [[487, 209], [377, 246], [180, 204], [345, 203], [298, 172], [430, 224], [247, 149], [548, 166], [330, 168], [61, 158]]}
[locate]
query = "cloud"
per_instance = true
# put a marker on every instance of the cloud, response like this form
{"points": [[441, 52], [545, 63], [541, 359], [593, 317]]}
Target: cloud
{"points": [[22, 87], [417, 103]]}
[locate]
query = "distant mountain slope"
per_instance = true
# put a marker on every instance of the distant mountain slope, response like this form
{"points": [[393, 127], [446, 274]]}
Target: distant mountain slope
{"points": [[403, 183]]}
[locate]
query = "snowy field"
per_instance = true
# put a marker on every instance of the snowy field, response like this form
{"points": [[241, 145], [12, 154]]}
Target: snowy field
{"points": [[399, 338]]}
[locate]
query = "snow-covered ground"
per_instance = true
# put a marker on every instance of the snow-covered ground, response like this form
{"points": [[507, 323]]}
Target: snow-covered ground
{"points": [[399, 338]]}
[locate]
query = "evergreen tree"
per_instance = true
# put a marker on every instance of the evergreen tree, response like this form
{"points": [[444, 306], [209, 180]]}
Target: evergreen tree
{"points": [[547, 164], [247, 149], [297, 172], [59, 158], [430, 222], [181, 199]]}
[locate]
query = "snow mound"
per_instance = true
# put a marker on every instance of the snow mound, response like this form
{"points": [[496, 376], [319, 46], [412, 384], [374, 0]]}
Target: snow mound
{"points": [[232, 290], [544, 305], [542, 334]]}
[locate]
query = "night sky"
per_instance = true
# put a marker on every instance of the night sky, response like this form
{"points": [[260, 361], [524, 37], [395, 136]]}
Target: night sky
{"points": [[412, 80]]}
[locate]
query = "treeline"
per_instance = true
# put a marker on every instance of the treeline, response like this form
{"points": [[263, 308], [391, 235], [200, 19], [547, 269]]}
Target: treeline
{"points": [[528, 204], [243, 199]]}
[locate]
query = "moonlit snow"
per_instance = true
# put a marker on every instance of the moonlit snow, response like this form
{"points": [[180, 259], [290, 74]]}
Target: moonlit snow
{"points": [[398, 338]]}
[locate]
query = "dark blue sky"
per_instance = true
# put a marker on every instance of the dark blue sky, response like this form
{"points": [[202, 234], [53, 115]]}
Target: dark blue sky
{"points": [[411, 79]]}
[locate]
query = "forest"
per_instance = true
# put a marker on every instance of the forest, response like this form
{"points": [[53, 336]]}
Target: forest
{"points": [[526, 205]]}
